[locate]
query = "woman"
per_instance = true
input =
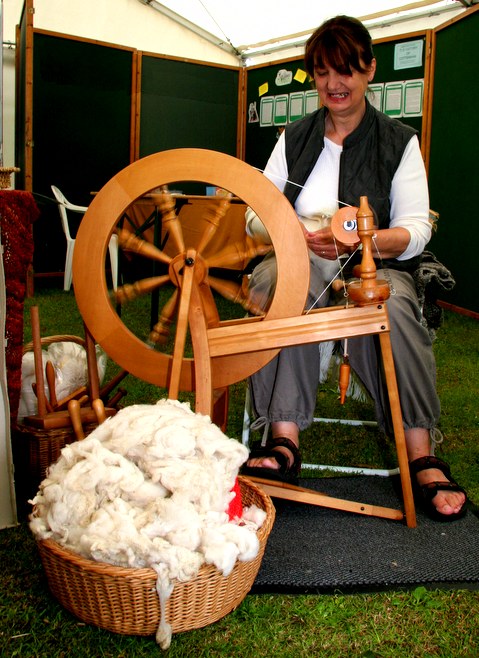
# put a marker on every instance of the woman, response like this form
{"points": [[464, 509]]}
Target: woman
{"points": [[345, 150]]}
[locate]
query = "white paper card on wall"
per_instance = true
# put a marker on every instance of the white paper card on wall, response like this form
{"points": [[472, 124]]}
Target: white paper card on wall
{"points": [[408, 54], [266, 111], [296, 106], [311, 101], [375, 95], [413, 98], [393, 95], [253, 116], [281, 110]]}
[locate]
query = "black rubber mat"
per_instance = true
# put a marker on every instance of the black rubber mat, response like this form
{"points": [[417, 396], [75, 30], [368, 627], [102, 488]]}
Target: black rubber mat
{"points": [[315, 549]]}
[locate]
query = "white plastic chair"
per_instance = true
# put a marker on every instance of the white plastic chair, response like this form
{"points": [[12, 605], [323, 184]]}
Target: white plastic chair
{"points": [[64, 206]]}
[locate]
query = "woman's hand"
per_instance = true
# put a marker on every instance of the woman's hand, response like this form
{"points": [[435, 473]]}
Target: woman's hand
{"points": [[388, 243], [322, 244]]}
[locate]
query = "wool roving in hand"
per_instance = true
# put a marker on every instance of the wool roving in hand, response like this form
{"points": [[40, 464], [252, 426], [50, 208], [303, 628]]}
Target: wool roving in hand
{"points": [[150, 487]]}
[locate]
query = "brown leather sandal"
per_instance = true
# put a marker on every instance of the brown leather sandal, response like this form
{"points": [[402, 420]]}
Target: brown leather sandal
{"points": [[424, 493], [286, 472]]}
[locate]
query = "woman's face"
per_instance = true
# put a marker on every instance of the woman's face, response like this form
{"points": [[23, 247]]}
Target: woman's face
{"points": [[343, 94]]}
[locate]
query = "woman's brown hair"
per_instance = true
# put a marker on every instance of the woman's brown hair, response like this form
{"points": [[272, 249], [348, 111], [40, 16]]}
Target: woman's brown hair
{"points": [[341, 43]]}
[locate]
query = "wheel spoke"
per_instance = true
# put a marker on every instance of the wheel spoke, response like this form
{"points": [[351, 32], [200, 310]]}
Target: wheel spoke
{"points": [[130, 291], [129, 242], [213, 215], [238, 253], [235, 293], [167, 206], [160, 333]]}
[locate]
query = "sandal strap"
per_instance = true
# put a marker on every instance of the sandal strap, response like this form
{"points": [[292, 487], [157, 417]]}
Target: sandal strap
{"points": [[430, 461], [285, 443], [269, 450], [258, 450], [431, 489]]}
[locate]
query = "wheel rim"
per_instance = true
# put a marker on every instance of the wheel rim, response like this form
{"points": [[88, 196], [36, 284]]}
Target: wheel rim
{"points": [[112, 202]]}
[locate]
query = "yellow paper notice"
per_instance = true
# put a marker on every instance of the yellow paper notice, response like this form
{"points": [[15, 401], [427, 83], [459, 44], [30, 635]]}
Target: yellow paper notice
{"points": [[300, 76], [263, 89]]}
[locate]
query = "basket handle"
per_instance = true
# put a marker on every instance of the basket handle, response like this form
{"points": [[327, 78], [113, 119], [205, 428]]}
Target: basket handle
{"points": [[60, 338]]}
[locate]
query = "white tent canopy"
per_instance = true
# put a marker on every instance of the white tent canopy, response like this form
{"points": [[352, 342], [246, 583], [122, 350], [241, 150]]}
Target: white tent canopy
{"points": [[259, 26], [249, 32]]}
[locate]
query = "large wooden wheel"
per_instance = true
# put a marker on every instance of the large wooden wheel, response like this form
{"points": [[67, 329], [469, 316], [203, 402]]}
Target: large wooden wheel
{"points": [[188, 271]]}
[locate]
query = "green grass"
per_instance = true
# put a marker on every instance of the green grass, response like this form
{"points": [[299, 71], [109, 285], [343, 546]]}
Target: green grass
{"points": [[419, 622], [385, 624]]}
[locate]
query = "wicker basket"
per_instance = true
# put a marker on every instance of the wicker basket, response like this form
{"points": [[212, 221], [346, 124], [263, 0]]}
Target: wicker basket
{"points": [[36, 447], [124, 600], [5, 176]]}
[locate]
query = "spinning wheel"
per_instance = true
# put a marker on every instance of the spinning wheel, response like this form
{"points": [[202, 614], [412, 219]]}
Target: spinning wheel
{"points": [[187, 268], [226, 351]]}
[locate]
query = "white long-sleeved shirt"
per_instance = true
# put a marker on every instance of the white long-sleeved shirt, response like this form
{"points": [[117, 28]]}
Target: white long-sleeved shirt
{"points": [[317, 200]]}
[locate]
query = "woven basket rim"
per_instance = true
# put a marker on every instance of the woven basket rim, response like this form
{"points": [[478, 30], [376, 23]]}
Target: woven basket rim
{"points": [[105, 568], [60, 338]]}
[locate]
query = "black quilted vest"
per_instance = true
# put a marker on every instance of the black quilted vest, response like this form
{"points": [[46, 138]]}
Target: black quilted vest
{"points": [[370, 157]]}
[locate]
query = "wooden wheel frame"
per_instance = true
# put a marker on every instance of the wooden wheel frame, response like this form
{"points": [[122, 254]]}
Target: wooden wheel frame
{"points": [[100, 221]]}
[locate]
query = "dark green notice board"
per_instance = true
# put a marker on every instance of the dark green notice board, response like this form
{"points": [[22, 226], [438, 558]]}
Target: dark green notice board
{"points": [[266, 82], [453, 169], [81, 114], [187, 105], [81, 129], [385, 53]]}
